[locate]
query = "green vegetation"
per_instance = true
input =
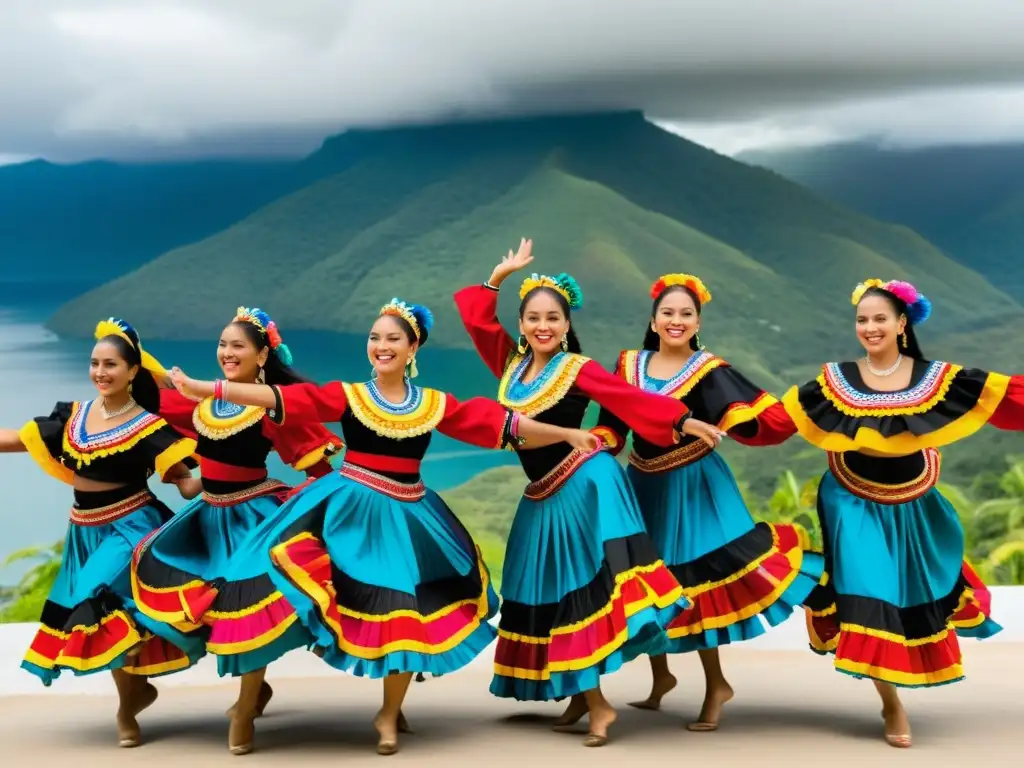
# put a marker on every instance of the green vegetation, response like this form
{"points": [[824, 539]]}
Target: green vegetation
{"points": [[991, 511]]}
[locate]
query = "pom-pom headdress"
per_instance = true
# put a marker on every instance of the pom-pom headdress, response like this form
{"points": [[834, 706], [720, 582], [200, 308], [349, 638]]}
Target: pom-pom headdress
{"points": [[419, 318], [259, 318], [115, 326], [692, 282], [919, 308], [564, 283]]}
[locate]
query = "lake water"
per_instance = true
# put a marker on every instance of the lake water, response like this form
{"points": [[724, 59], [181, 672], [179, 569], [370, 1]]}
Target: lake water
{"points": [[37, 369]]}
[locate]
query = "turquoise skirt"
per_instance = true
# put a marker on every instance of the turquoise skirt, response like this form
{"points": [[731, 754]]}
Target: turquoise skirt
{"points": [[584, 589], [739, 574], [90, 622], [897, 590], [382, 574], [200, 575]]}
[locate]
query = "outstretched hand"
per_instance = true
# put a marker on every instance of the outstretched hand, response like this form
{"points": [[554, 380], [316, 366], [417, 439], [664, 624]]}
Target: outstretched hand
{"points": [[709, 433], [184, 384], [516, 261]]}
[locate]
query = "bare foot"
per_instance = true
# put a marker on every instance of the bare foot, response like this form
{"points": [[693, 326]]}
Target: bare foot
{"points": [[266, 693], [387, 730], [661, 686], [573, 713], [241, 735], [601, 720], [129, 734], [714, 700], [897, 727]]}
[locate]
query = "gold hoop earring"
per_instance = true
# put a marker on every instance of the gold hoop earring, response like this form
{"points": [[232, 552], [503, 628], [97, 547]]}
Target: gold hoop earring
{"points": [[522, 345]]}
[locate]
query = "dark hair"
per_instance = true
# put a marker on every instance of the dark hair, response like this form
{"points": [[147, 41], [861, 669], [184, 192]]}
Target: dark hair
{"points": [[407, 329], [145, 391], [573, 341], [274, 371], [913, 349], [652, 341]]}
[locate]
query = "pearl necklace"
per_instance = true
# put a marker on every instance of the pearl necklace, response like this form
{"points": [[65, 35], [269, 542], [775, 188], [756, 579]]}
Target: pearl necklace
{"points": [[120, 411], [888, 371]]}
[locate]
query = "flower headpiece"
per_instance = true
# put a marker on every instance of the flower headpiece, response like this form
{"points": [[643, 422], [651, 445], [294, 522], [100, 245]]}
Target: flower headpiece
{"points": [[919, 308], [259, 318], [115, 326], [564, 283], [691, 282], [419, 318]]}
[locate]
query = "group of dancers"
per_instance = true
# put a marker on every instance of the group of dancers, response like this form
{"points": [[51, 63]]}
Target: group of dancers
{"points": [[370, 570]]}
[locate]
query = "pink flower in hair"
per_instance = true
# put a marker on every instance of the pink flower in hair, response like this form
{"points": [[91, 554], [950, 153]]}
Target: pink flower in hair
{"points": [[904, 291]]}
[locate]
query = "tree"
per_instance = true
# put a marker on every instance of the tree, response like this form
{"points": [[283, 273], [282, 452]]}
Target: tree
{"points": [[24, 602]]}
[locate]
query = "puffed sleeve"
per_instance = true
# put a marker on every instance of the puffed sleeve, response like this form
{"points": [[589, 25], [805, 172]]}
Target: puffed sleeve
{"points": [[749, 414], [477, 421], [303, 445], [177, 410], [478, 307], [166, 447], [653, 417], [1009, 414], [317, 403], [43, 439]]}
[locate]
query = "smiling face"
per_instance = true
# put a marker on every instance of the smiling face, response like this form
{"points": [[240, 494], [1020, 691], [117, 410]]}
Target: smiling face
{"points": [[109, 371], [676, 319], [879, 325], [238, 352], [544, 323], [389, 347]]}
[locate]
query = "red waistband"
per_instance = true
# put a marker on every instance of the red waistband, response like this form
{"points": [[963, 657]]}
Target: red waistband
{"points": [[216, 470], [375, 462]]}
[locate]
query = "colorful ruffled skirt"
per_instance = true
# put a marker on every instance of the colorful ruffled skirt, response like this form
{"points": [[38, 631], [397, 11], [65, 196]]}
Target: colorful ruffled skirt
{"points": [[897, 590], [739, 575], [201, 574], [90, 622], [383, 574], [584, 588]]}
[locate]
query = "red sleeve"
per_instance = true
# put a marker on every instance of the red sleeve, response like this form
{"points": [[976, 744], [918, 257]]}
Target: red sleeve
{"points": [[478, 307], [772, 426], [1010, 412], [653, 417], [478, 421], [177, 410], [302, 444], [311, 402]]}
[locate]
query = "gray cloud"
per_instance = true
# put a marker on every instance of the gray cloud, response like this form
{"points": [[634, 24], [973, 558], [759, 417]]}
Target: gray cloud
{"points": [[137, 77]]}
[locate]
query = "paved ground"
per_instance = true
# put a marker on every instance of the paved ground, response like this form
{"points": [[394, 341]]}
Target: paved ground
{"points": [[790, 708]]}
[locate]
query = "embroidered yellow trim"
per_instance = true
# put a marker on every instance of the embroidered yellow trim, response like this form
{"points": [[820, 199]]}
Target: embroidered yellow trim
{"points": [[547, 395], [907, 410], [209, 425], [421, 420], [628, 371], [152, 427], [33, 441]]}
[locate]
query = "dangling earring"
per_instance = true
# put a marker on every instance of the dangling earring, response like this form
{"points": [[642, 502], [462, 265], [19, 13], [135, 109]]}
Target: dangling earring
{"points": [[260, 378], [129, 389], [696, 340], [903, 339], [411, 372], [522, 346], [565, 343]]}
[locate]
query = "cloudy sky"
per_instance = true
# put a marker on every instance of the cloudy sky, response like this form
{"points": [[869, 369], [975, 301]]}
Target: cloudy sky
{"points": [[173, 78]]}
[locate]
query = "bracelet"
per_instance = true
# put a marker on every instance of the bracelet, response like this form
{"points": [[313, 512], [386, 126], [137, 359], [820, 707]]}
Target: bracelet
{"points": [[487, 284], [218, 389], [682, 420]]}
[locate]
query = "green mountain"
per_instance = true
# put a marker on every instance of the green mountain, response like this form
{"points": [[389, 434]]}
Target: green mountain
{"points": [[967, 200], [611, 198]]}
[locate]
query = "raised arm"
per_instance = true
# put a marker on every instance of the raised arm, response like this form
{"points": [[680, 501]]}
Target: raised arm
{"points": [[302, 402], [484, 423], [10, 442], [478, 308]]}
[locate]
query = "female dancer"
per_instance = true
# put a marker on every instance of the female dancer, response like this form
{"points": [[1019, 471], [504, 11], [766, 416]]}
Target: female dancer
{"points": [[584, 590], [895, 580], [734, 570], [379, 569], [106, 449], [195, 573]]}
